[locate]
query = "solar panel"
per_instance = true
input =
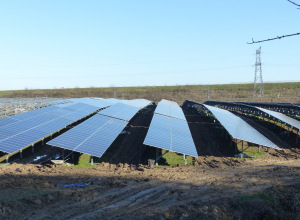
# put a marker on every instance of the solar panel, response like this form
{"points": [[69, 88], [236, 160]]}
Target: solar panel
{"points": [[40, 111], [170, 134], [28, 128], [293, 122], [121, 111], [238, 128], [6, 121], [170, 109], [93, 136]]}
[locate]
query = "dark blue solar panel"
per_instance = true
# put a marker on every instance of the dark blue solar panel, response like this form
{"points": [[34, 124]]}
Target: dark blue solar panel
{"points": [[92, 137], [170, 134], [34, 113], [6, 121], [59, 112], [121, 111], [51, 127], [5, 134]]}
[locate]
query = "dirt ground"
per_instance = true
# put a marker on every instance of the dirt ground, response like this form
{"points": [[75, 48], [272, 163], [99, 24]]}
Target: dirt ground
{"points": [[213, 188]]}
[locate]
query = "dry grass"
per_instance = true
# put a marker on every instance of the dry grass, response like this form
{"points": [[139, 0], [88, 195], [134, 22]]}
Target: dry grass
{"points": [[274, 92]]}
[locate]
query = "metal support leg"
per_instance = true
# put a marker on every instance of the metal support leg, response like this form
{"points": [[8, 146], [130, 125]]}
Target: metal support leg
{"points": [[242, 153], [21, 155], [259, 148], [32, 148], [6, 158], [185, 160], [63, 154], [156, 158], [92, 161]]}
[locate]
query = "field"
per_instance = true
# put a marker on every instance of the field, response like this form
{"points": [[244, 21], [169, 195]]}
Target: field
{"points": [[120, 185], [273, 92]]}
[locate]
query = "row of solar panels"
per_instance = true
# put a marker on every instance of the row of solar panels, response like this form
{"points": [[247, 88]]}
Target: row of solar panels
{"points": [[168, 129], [22, 130]]}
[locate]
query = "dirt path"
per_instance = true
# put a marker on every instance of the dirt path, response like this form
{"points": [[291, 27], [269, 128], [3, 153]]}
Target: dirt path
{"points": [[122, 191]]}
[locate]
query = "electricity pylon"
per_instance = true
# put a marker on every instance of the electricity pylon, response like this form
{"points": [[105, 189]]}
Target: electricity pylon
{"points": [[258, 81]]}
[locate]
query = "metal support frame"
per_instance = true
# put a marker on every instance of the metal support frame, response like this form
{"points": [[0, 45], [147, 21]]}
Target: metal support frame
{"points": [[63, 154], [259, 148], [7, 158], [185, 160], [21, 154], [32, 148], [92, 161], [158, 157]]}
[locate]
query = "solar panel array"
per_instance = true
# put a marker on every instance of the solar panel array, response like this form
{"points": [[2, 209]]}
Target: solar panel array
{"points": [[120, 111], [170, 109], [293, 122], [22, 130], [169, 130], [238, 128], [93, 136], [96, 134]]}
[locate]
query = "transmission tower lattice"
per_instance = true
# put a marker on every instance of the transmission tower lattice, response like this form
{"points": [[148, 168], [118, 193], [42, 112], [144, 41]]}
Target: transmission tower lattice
{"points": [[258, 81]]}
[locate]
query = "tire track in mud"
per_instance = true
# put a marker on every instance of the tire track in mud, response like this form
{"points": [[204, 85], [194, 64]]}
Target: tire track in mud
{"points": [[127, 201]]}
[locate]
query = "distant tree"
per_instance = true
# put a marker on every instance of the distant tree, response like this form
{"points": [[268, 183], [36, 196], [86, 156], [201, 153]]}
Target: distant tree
{"points": [[278, 37]]}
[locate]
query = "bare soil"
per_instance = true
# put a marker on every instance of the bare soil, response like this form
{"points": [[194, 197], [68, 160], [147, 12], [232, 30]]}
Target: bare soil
{"points": [[219, 188]]}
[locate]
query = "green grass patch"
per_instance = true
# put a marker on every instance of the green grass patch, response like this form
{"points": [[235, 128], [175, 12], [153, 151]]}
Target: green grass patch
{"points": [[84, 161], [252, 151], [173, 159]]}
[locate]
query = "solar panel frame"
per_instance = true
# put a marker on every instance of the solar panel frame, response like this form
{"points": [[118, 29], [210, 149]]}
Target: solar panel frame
{"points": [[282, 117], [238, 128]]}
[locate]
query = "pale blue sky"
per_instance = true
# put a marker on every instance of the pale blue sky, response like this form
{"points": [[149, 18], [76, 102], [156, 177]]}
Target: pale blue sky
{"points": [[71, 43]]}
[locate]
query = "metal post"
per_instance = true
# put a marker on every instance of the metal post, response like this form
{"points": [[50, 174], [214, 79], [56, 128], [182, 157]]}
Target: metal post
{"points": [[32, 148], [156, 158], [63, 154], [185, 160], [92, 161], [43, 142], [21, 156], [6, 158], [259, 148], [242, 153]]}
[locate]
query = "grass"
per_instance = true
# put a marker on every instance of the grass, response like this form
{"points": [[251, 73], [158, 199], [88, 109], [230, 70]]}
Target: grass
{"points": [[174, 159], [84, 161], [252, 151]]}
